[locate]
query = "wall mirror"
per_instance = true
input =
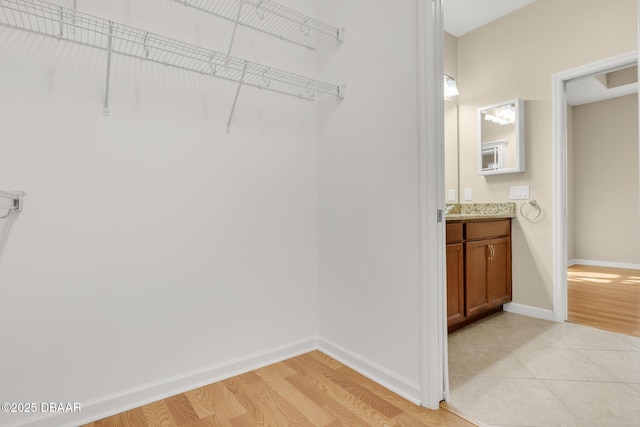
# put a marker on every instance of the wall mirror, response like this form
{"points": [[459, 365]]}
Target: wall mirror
{"points": [[501, 139]]}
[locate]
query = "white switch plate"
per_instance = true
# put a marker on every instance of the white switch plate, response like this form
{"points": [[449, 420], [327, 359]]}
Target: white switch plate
{"points": [[468, 195], [519, 192], [451, 195]]}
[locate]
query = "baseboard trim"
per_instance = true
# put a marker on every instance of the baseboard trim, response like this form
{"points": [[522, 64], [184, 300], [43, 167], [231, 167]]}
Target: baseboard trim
{"points": [[146, 393], [379, 374], [596, 263], [528, 310]]}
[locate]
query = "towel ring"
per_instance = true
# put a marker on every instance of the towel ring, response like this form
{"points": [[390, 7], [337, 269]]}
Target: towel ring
{"points": [[535, 205]]}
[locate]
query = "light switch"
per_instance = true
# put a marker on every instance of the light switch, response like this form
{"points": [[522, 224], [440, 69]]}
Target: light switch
{"points": [[519, 192], [451, 195], [468, 195]]}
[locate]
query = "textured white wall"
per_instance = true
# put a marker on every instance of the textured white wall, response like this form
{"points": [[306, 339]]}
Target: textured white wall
{"points": [[368, 165], [152, 243]]}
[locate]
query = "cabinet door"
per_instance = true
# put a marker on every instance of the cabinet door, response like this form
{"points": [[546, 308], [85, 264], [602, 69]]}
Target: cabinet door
{"points": [[499, 272], [455, 284], [477, 277]]}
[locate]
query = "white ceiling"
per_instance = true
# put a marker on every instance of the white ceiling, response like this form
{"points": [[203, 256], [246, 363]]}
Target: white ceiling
{"points": [[588, 90], [462, 16]]}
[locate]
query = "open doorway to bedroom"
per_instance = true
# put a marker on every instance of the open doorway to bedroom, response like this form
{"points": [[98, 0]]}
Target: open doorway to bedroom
{"points": [[603, 200]]}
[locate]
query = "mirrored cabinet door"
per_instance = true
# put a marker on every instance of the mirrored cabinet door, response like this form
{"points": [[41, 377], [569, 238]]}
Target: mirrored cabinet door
{"points": [[501, 138]]}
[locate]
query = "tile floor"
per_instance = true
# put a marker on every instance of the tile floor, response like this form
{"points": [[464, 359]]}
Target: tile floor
{"points": [[513, 370]]}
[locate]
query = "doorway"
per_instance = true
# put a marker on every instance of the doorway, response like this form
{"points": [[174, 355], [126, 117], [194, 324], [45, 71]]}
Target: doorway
{"points": [[603, 198], [561, 181]]}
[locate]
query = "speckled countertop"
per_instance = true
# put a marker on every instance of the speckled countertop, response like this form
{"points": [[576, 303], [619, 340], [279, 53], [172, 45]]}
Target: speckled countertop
{"points": [[463, 211]]}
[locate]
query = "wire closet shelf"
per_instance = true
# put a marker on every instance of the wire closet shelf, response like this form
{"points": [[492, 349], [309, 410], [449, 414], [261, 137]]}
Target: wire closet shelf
{"points": [[49, 19], [271, 18]]}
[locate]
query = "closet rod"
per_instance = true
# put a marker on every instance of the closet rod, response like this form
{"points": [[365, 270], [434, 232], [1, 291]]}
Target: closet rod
{"points": [[48, 19]]}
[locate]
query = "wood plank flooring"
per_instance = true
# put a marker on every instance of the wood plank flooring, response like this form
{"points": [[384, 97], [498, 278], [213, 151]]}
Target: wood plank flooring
{"points": [[309, 390], [605, 298]]}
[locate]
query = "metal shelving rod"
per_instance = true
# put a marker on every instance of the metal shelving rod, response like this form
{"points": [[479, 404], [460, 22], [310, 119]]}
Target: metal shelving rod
{"points": [[271, 18], [48, 19]]}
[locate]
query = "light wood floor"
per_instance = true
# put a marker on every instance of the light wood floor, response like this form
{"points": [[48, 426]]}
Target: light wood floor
{"points": [[308, 390], [605, 298]]}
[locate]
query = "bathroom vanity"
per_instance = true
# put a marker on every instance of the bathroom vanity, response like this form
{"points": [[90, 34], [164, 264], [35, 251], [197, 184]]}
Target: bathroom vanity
{"points": [[478, 266]]}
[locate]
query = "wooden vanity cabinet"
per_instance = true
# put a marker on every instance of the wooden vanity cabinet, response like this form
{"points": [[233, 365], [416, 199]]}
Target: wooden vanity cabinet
{"points": [[455, 275], [478, 269]]}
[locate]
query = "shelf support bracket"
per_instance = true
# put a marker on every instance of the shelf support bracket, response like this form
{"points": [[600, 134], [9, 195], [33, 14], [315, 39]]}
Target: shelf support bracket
{"points": [[61, 23], [73, 16], [105, 111], [235, 27], [235, 100]]}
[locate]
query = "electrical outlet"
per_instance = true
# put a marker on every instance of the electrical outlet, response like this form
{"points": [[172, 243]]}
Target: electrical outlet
{"points": [[451, 195], [519, 192], [468, 195]]}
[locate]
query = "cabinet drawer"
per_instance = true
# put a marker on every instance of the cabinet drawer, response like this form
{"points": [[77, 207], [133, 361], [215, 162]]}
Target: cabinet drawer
{"points": [[488, 229], [454, 233]]}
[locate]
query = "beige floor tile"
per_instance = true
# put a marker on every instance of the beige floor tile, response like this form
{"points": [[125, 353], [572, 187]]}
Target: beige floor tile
{"points": [[587, 338], [545, 324], [624, 365], [490, 362], [634, 341], [563, 364], [599, 404], [474, 336], [506, 318], [454, 382], [528, 340], [511, 401]]}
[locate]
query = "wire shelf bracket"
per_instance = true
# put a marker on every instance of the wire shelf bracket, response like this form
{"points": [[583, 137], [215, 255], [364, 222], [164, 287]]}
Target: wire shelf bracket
{"points": [[15, 201], [271, 18], [47, 19]]}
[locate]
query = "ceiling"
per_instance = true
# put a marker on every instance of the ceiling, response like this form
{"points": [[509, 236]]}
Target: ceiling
{"points": [[591, 89], [463, 16]]}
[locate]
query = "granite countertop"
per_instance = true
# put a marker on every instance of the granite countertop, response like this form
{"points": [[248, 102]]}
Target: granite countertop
{"points": [[463, 211]]}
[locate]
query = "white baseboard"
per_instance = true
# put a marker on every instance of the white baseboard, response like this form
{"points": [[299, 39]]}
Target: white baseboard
{"points": [[610, 264], [528, 310], [146, 393], [381, 375]]}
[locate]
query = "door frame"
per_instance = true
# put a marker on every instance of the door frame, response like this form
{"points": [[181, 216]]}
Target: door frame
{"points": [[559, 164], [432, 275]]}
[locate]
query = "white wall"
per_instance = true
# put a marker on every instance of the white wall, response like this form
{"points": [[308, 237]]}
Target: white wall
{"points": [[152, 243], [368, 165]]}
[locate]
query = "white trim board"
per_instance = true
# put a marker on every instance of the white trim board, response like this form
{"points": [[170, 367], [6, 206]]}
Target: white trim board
{"points": [[144, 394], [432, 265], [559, 164], [381, 375], [609, 264], [528, 310], [134, 397]]}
